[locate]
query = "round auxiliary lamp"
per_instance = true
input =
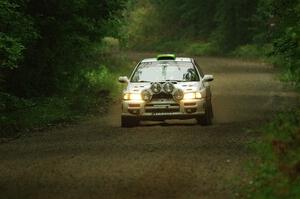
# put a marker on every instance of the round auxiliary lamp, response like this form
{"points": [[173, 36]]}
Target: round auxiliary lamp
{"points": [[168, 87], [156, 88], [178, 95], [146, 95]]}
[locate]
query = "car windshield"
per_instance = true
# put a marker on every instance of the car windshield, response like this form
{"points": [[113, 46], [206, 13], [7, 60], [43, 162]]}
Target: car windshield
{"points": [[159, 71]]}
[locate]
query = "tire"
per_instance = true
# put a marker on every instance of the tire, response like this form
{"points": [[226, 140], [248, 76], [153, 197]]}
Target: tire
{"points": [[206, 119], [129, 122]]}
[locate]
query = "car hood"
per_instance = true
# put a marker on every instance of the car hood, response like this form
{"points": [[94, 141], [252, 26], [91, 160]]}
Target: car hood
{"points": [[184, 86]]}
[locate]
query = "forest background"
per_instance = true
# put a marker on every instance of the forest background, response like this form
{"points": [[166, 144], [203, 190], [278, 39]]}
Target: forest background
{"points": [[59, 60]]}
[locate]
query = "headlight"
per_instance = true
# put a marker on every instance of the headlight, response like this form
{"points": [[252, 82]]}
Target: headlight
{"points": [[132, 96], [196, 95]]}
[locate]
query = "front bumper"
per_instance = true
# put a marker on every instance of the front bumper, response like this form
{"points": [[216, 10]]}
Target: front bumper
{"points": [[163, 109]]}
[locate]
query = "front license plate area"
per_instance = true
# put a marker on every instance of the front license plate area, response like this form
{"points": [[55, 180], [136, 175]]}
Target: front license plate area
{"points": [[162, 113]]}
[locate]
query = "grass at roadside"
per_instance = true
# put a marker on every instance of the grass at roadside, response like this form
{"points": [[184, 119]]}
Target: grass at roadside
{"points": [[275, 172]]}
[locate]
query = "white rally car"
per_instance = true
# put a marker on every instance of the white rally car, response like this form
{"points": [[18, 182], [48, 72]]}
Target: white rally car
{"points": [[166, 87]]}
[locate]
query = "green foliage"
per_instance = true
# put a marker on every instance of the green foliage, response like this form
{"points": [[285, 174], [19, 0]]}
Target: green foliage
{"points": [[226, 24], [100, 79], [90, 92], [110, 45], [252, 51], [11, 51], [200, 49], [139, 32], [234, 24], [287, 53], [278, 23], [16, 31], [276, 173], [94, 90], [19, 114], [50, 41], [50, 53]]}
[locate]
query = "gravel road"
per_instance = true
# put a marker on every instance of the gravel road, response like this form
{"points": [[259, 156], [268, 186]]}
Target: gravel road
{"points": [[174, 159]]}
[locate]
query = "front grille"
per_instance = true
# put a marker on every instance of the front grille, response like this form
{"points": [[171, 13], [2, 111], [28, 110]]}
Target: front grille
{"points": [[158, 107], [162, 95], [157, 110]]}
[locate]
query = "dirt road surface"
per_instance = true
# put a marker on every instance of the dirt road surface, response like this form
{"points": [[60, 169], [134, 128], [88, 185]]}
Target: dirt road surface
{"points": [[174, 159]]}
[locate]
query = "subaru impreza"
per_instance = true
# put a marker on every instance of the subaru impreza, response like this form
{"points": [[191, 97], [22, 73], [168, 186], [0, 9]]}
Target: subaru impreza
{"points": [[166, 87]]}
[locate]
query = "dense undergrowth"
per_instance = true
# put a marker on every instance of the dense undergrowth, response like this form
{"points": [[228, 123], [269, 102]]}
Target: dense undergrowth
{"points": [[275, 172], [90, 93], [59, 61]]}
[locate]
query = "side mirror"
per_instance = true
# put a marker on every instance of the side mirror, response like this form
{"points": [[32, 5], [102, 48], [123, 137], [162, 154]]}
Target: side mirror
{"points": [[123, 79], [208, 78]]}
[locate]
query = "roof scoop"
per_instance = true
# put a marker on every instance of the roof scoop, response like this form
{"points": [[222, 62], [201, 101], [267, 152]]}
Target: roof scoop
{"points": [[166, 57]]}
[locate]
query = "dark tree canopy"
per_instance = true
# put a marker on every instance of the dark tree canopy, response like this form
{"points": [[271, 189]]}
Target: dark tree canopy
{"points": [[46, 40]]}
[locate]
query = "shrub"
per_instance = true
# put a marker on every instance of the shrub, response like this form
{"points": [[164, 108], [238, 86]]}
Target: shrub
{"points": [[200, 49], [90, 93], [10, 51], [277, 170], [110, 45], [19, 114], [286, 55], [170, 46], [101, 81], [251, 51]]}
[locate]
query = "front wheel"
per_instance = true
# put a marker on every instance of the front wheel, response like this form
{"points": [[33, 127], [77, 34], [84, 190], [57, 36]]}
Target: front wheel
{"points": [[129, 121], [206, 119]]}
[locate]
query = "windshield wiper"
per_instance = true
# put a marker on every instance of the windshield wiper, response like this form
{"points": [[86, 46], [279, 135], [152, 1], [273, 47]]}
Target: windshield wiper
{"points": [[174, 80], [142, 81]]}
